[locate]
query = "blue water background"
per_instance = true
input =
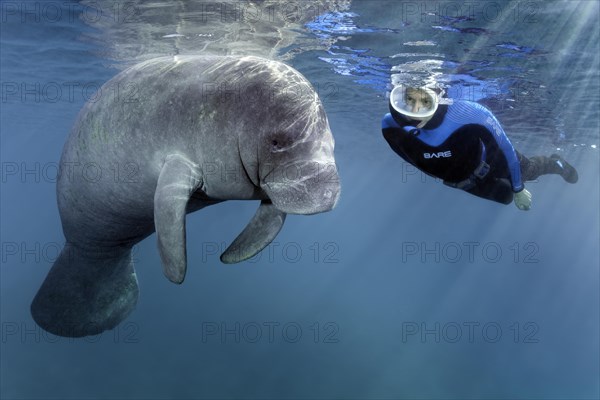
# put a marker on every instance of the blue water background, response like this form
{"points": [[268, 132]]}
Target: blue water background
{"points": [[352, 275]]}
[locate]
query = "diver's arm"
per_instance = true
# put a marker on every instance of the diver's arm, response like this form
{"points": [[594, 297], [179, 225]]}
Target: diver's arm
{"points": [[522, 196], [497, 134], [391, 131]]}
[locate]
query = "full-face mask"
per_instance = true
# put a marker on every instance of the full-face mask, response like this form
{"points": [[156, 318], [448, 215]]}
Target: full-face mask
{"points": [[414, 104]]}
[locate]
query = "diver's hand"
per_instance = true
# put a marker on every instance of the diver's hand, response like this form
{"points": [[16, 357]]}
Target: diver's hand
{"points": [[523, 200]]}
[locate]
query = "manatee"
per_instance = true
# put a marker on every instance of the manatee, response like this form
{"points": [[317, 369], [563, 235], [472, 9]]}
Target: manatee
{"points": [[168, 137]]}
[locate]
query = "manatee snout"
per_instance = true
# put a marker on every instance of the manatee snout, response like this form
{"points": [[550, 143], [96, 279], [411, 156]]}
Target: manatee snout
{"points": [[304, 188]]}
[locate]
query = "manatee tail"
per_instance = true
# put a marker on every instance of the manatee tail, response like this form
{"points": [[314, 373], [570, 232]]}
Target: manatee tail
{"points": [[86, 294]]}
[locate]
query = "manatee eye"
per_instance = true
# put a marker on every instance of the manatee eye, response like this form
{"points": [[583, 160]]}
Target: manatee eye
{"points": [[276, 144], [279, 141]]}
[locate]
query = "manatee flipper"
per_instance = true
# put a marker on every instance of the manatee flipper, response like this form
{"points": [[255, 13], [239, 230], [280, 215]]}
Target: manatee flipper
{"points": [[260, 231], [178, 180], [86, 293]]}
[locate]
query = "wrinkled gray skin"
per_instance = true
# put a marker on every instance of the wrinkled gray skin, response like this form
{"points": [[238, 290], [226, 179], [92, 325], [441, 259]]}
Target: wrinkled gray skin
{"points": [[168, 137]]}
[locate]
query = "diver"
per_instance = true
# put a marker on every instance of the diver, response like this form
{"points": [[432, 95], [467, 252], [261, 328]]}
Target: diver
{"points": [[462, 143]]}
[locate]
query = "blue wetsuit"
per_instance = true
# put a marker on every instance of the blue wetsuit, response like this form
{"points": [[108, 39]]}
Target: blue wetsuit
{"points": [[463, 144]]}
